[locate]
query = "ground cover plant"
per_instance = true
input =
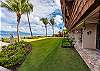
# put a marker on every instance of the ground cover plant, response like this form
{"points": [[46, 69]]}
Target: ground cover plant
{"points": [[14, 54], [67, 42], [7, 40]]}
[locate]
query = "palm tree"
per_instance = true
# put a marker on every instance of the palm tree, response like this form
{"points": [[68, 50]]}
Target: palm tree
{"points": [[52, 23], [45, 21], [19, 7], [28, 13], [29, 24]]}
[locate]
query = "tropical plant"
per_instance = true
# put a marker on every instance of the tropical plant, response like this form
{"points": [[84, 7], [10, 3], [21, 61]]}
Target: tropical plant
{"points": [[19, 7], [28, 13], [15, 54], [52, 23], [67, 42], [29, 24], [65, 31], [45, 21]]}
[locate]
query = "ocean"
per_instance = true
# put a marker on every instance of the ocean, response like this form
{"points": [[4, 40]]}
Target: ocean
{"points": [[6, 34]]}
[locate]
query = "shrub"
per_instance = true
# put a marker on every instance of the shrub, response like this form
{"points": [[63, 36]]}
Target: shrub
{"points": [[5, 40], [14, 54], [67, 42]]}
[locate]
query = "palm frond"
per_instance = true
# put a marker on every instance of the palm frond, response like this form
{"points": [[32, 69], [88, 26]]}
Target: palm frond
{"points": [[23, 1], [44, 20], [52, 22], [10, 5], [31, 7], [26, 7], [6, 6], [21, 6]]}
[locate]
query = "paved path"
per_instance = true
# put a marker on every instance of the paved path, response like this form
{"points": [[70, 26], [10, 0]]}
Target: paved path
{"points": [[3, 69], [3, 43], [91, 57]]}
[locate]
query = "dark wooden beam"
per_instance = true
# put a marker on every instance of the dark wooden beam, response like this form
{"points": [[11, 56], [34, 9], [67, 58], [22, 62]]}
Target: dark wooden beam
{"points": [[89, 10]]}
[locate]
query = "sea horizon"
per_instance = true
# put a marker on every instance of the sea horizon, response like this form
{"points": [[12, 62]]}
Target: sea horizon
{"points": [[7, 34]]}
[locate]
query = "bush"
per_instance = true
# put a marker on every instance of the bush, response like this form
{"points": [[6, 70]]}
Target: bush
{"points": [[14, 54], [5, 40], [66, 42]]}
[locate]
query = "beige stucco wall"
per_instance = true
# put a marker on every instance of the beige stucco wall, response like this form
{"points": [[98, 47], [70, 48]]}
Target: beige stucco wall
{"points": [[89, 40], [77, 37], [71, 35]]}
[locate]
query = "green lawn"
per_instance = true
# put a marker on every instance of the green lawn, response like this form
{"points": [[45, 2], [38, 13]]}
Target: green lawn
{"points": [[47, 55]]}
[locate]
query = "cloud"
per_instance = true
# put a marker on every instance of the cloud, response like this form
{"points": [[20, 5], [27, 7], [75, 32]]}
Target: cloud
{"points": [[7, 27], [59, 21], [42, 8]]}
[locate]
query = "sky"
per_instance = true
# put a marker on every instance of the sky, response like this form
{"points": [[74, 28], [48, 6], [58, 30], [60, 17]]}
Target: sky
{"points": [[41, 8]]}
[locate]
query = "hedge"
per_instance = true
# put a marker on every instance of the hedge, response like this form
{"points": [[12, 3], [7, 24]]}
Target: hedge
{"points": [[14, 54]]}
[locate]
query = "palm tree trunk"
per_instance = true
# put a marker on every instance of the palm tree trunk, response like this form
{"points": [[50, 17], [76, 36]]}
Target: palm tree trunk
{"points": [[53, 30], [46, 29], [18, 21], [18, 31], [29, 24]]}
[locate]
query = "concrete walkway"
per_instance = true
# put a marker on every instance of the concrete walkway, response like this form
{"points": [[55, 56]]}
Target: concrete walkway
{"points": [[91, 57], [3, 43], [3, 69]]}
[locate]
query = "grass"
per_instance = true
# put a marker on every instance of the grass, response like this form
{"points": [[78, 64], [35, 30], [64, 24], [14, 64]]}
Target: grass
{"points": [[47, 55], [64, 60]]}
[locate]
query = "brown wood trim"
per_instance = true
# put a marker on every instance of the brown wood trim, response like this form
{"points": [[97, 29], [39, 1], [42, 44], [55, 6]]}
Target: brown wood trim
{"points": [[76, 9], [88, 11], [79, 13]]}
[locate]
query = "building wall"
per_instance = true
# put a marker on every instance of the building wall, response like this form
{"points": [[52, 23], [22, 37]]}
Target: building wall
{"points": [[89, 36], [77, 36], [71, 35], [77, 11]]}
